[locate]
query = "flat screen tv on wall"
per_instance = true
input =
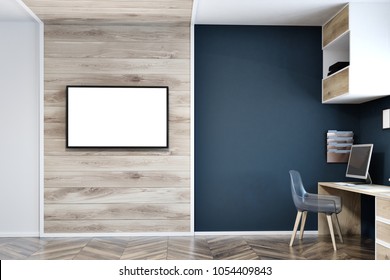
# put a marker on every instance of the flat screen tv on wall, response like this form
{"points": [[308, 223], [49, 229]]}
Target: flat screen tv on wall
{"points": [[116, 117]]}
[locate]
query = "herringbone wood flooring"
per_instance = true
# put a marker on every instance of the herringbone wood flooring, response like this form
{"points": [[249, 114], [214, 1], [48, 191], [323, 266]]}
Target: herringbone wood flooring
{"points": [[184, 248]]}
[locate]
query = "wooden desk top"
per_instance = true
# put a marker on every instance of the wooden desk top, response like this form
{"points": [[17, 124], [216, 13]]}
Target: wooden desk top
{"points": [[373, 190]]}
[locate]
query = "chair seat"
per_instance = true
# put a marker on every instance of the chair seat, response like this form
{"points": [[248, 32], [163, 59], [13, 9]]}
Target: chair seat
{"points": [[327, 204]]}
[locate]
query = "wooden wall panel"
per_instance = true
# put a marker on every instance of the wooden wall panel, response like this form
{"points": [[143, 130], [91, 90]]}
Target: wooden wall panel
{"points": [[119, 4], [162, 50], [120, 190], [173, 12], [116, 163], [175, 82], [118, 179], [117, 66], [114, 195], [56, 147], [56, 98], [116, 226], [126, 34], [117, 211]]}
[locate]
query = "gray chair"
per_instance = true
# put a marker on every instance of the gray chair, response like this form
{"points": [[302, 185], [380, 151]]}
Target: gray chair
{"points": [[305, 202]]}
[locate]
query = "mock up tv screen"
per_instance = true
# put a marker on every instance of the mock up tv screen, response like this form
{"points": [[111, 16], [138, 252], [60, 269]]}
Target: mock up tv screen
{"points": [[117, 117]]}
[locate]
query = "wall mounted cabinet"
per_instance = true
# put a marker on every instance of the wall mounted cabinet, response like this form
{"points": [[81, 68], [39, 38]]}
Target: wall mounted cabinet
{"points": [[358, 34]]}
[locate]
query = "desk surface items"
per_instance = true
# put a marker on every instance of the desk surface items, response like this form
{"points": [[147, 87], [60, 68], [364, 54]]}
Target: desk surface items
{"points": [[349, 217]]}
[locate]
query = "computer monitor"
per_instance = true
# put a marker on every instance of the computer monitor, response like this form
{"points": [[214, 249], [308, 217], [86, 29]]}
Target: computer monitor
{"points": [[359, 162]]}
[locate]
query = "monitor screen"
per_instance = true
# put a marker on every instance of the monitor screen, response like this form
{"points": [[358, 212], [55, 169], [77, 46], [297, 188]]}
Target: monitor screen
{"points": [[359, 161]]}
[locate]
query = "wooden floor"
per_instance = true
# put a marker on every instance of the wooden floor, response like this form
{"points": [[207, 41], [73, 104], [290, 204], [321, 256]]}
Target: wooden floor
{"points": [[184, 248]]}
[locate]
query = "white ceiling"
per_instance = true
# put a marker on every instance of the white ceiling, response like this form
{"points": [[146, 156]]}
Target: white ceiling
{"points": [[268, 12], [12, 10]]}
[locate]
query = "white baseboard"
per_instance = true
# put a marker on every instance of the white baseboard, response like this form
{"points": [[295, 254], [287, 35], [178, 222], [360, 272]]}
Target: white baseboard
{"points": [[151, 234], [310, 232], [118, 234], [19, 234]]}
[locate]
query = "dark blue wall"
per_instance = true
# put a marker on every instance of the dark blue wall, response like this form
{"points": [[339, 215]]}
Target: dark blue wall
{"points": [[371, 132], [258, 114]]}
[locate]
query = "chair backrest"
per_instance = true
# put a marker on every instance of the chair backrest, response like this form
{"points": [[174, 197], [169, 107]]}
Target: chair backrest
{"points": [[297, 189]]}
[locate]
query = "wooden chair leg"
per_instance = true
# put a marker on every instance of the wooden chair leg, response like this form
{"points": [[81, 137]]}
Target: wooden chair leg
{"points": [[302, 225], [329, 218], [338, 228], [297, 220]]}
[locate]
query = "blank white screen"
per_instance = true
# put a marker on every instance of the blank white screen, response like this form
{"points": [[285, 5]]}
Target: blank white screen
{"points": [[117, 117]]}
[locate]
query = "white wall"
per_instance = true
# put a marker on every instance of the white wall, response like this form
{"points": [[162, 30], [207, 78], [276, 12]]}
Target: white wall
{"points": [[19, 128]]}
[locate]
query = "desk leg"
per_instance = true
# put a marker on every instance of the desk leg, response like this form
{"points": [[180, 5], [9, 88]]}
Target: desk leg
{"points": [[349, 217]]}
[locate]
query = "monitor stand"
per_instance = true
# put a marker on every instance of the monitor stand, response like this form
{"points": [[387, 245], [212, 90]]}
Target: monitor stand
{"points": [[368, 180]]}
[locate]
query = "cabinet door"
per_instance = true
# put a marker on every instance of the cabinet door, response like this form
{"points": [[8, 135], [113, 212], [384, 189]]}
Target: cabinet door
{"points": [[335, 85], [383, 232], [335, 27], [382, 252], [383, 208]]}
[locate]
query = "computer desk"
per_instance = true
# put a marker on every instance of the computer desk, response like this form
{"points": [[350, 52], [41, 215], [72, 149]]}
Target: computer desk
{"points": [[349, 217]]}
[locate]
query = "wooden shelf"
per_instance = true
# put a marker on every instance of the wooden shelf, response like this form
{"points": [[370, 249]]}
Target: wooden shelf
{"points": [[338, 25], [335, 85]]}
